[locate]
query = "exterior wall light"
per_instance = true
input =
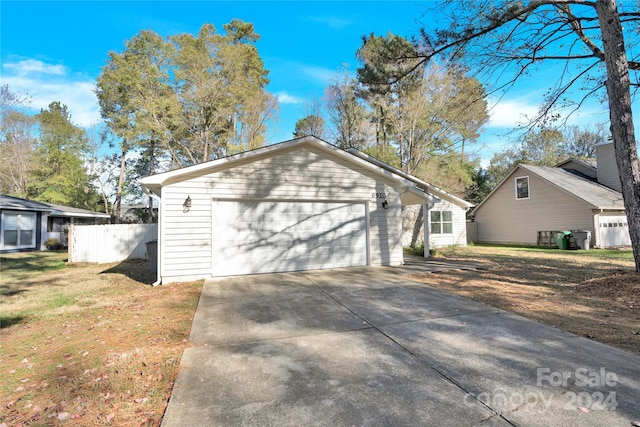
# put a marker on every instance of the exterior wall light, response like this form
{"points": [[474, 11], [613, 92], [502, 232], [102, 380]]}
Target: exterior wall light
{"points": [[186, 206], [385, 205]]}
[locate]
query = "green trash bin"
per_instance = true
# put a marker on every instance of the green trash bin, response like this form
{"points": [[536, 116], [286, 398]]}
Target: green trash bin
{"points": [[558, 236], [566, 235]]}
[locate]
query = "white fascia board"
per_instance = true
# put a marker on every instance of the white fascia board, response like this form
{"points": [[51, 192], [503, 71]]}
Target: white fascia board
{"points": [[61, 214]]}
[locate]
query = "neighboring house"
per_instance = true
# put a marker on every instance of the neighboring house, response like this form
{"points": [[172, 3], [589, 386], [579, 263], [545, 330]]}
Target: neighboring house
{"points": [[574, 195], [297, 205], [25, 225]]}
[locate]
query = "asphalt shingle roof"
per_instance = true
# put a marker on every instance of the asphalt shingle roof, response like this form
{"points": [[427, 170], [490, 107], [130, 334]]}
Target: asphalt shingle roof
{"points": [[597, 195], [16, 203]]}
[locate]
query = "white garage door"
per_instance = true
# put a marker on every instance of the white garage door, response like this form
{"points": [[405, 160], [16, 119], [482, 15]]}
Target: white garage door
{"points": [[614, 231], [262, 237]]}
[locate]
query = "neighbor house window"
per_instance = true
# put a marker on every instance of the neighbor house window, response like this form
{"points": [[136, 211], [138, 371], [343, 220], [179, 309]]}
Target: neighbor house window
{"points": [[18, 229], [441, 222], [522, 187]]}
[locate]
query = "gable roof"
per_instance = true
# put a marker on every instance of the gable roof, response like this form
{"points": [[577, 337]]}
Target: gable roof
{"points": [[431, 189], [155, 182], [596, 195], [18, 204]]}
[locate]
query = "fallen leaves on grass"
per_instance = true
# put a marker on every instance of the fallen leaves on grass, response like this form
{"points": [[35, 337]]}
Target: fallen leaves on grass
{"points": [[110, 360], [588, 296]]}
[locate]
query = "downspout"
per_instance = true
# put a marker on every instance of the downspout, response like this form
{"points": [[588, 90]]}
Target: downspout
{"points": [[158, 250]]}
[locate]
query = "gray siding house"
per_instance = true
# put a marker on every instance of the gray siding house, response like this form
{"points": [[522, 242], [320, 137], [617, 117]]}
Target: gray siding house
{"points": [[25, 225], [297, 205], [574, 195]]}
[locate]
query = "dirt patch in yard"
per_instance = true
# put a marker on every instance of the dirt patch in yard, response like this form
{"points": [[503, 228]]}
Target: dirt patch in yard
{"points": [[595, 294], [89, 345]]}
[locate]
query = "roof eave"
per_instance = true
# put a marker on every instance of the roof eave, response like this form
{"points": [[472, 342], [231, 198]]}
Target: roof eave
{"points": [[155, 183]]}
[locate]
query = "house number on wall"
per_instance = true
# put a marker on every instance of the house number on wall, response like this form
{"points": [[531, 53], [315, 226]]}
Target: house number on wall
{"points": [[379, 195]]}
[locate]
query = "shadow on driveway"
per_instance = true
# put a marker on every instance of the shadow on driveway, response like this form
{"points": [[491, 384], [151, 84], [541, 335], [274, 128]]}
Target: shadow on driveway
{"points": [[367, 346]]}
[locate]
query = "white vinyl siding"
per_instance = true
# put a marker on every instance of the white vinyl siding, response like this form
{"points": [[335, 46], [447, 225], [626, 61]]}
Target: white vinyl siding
{"points": [[298, 174], [458, 234], [502, 219], [413, 229]]}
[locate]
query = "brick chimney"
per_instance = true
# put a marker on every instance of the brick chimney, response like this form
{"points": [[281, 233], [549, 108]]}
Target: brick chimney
{"points": [[607, 168]]}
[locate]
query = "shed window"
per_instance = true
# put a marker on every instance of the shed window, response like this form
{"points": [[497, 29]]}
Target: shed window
{"points": [[522, 187], [18, 230], [441, 222]]}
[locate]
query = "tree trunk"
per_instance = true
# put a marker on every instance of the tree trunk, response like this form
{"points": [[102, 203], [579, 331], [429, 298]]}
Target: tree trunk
{"points": [[152, 170], [622, 129], [118, 211]]}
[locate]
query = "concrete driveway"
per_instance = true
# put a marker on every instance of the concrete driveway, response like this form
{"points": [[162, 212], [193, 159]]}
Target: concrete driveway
{"points": [[367, 346]]}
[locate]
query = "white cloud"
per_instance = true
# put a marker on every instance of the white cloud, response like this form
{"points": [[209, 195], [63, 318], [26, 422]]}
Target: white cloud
{"points": [[45, 83], [31, 66], [285, 98], [511, 113]]}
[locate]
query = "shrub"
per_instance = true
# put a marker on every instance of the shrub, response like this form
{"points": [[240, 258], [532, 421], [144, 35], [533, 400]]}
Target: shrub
{"points": [[415, 250], [53, 244]]}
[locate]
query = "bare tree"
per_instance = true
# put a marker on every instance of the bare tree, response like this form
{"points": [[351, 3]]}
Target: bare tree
{"points": [[581, 142], [18, 142], [510, 40]]}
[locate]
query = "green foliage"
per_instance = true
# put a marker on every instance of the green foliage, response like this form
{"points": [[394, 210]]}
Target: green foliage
{"points": [[196, 97], [481, 185], [417, 250], [186, 98], [451, 172], [60, 176], [390, 64], [425, 115], [310, 125], [386, 153], [53, 244]]}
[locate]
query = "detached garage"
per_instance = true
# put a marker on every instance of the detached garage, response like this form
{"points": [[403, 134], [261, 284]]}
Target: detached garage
{"points": [[298, 205]]}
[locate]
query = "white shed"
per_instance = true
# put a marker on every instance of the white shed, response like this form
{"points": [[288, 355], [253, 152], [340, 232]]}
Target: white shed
{"points": [[297, 205]]}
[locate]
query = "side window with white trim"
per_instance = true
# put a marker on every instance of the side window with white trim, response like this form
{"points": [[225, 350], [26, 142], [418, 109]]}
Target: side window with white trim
{"points": [[441, 222], [522, 187]]}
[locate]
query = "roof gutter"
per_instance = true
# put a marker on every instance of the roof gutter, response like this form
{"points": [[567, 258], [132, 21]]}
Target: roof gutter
{"points": [[154, 196]]}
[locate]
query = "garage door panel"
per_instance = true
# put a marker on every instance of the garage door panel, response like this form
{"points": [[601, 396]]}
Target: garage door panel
{"points": [[614, 231], [259, 237]]}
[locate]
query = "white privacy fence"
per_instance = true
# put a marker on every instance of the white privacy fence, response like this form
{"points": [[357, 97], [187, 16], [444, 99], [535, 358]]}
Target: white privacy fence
{"points": [[110, 243]]}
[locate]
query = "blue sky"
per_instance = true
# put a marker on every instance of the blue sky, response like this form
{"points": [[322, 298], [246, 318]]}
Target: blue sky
{"points": [[55, 50]]}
